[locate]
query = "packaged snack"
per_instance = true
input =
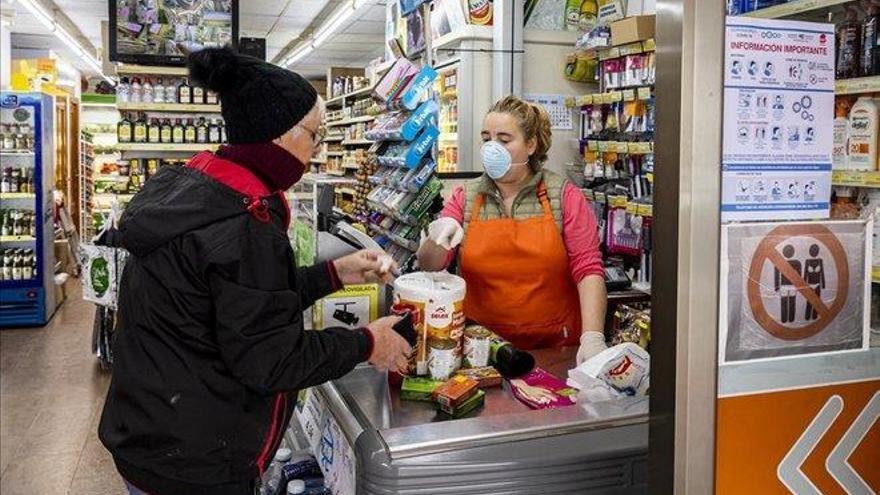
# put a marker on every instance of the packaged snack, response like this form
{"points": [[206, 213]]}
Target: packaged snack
{"points": [[539, 389], [455, 391], [472, 403], [417, 388], [485, 376]]}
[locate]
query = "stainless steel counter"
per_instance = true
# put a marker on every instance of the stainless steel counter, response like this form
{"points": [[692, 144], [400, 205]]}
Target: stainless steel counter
{"points": [[405, 447]]}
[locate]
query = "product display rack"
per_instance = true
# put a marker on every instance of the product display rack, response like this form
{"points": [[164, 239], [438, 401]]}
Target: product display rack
{"points": [[87, 184], [27, 284], [794, 8]]}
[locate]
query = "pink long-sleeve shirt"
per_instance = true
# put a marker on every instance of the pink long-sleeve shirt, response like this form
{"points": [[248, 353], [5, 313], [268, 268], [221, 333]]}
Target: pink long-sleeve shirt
{"points": [[580, 231]]}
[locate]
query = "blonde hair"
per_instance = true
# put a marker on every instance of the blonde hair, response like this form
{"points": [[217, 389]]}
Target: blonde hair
{"points": [[534, 122]]}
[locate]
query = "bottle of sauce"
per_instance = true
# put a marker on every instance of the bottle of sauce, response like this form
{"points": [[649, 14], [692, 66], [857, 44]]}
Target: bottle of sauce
{"points": [[154, 132], [136, 93], [213, 132], [140, 129], [184, 93], [869, 42], [223, 131], [159, 91], [198, 95], [189, 133], [202, 131], [211, 98], [123, 91], [178, 132], [148, 91], [165, 132], [849, 39], [124, 130]]}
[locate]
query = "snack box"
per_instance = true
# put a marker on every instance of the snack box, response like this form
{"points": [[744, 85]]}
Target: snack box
{"points": [[455, 391], [485, 376], [539, 389], [417, 388], [473, 402]]}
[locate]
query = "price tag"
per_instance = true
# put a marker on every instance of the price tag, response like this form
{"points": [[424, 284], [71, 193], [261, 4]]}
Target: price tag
{"points": [[646, 210], [872, 179], [650, 177], [621, 147], [629, 95], [586, 100], [614, 96], [593, 146], [649, 45], [601, 198], [617, 201], [603, 146], [645, 93], [610, 53], [631, 49], [632, 208]]}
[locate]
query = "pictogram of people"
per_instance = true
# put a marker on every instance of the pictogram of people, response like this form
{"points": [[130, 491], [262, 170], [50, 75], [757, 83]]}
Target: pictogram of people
{"points": [[785, 287], [814, 276]]}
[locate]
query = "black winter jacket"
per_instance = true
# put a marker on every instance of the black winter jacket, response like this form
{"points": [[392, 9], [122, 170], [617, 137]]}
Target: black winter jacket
{"points": [[211, 348]]}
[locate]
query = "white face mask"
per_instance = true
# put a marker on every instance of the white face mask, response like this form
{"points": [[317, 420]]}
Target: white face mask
{"points": [[496, 159]]}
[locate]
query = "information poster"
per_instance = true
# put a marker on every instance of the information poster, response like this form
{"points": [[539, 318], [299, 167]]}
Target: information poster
{"points": [[778, 120]]}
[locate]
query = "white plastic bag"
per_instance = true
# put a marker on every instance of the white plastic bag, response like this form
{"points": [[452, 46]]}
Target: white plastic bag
{"points": [[102, 267], [619, 371]]}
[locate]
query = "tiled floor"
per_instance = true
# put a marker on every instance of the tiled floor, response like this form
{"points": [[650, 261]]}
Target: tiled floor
{"points": [[51, 394]]}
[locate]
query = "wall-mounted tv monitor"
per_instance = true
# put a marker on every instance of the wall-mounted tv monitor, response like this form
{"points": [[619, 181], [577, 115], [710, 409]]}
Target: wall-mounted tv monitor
{"points": [[164, 32]]}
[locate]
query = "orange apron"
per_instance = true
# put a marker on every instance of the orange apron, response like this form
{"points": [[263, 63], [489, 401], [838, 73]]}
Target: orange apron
{"points": [[519, 281]]}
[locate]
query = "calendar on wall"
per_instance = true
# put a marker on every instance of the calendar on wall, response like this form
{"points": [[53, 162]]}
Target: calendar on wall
{"points": [[560, 115]]}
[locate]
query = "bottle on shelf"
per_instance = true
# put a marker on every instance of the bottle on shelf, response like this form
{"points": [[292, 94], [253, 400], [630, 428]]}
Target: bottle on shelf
{"points": [[177, 132], [27, 272], [202, 131], [849, 40], [30, 181], [124, 130], [7, 140], [140, 129], [211, 98], [16, 265], [159, 91], [840, 134], [214, 132], [148, 91], [184, 93], [870, 50], [189, 132], [136, 91], [166, 131], [6, 181], [123, 91], [198, 95], [864, 119], [223, 131], [154, 131], [15, 184]]}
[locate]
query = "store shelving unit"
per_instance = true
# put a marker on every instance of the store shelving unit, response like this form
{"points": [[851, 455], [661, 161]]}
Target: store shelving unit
{"points": [[167, 107], [795, 8], [853, 178], [857, 86], [187, 148], [353, 120]]}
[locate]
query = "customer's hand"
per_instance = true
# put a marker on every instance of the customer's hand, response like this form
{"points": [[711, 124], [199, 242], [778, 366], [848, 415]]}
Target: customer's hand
{"points": [[446, 233], [365, 267], [592, 343], [390, 350]]}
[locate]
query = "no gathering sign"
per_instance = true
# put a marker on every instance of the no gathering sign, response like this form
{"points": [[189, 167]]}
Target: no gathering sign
{"points": [[793, 288]]}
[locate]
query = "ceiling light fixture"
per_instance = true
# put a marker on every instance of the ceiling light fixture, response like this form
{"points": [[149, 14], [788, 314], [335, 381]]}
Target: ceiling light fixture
{"points": [[75, 46], [337, 19]]}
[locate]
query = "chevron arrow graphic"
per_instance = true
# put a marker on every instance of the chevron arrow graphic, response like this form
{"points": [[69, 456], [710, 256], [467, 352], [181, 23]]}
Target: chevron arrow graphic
{"points": [[789, 469], [837, 464]]}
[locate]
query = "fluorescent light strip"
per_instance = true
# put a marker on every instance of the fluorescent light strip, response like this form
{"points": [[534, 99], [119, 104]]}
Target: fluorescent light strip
{"points": [[325, 31], [46, 20]]}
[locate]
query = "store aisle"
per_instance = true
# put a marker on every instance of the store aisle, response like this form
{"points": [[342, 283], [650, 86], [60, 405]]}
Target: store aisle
{"points": [[51, 394]]}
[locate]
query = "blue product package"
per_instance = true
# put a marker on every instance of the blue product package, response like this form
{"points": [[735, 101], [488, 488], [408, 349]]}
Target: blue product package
{"points": [[421, 82], [421, 146], [424, 115], [301, 469]]}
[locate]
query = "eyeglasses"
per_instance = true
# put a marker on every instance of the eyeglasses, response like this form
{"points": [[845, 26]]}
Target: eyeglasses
{"points": [[318, 134]]}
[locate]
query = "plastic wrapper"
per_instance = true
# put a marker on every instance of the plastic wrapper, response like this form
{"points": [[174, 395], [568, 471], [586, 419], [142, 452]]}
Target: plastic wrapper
{"points": [[619, 371], [539, 389], [102, 269]]}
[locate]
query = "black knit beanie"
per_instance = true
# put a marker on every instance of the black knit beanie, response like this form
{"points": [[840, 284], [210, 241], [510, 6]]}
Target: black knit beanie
{"points": [[260, 101]]}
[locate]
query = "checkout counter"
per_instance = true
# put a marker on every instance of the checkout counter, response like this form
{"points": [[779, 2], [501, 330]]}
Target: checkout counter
{"points": [[368, 441]]}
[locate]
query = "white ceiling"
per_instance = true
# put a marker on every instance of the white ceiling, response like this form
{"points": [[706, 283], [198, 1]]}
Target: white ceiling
{"points": [[279, 21]]}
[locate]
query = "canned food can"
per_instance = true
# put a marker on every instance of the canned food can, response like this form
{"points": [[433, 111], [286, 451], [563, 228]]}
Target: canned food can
{"points": [[476, 346], [441, 358]]}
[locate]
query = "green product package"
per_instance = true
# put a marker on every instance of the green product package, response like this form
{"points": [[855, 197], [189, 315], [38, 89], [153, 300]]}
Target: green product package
{"points": [[416, 388], [466, 407], [303, 243], [102, 269]]}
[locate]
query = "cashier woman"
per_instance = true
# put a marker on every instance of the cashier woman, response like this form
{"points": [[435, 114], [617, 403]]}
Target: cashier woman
{"points": [[527, 241]]}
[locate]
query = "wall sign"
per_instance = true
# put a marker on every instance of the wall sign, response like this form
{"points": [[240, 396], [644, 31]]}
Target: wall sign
{"points": [[778, 116], [794, 288]]}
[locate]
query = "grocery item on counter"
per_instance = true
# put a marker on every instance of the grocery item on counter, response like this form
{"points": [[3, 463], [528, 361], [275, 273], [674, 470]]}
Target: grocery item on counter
{"points": [[539, 389], [486, 376], [436, 301], [455, 391], [507, 359], [442, 358], [418, 388], [471, 404], [477, 346], [623, 369]]}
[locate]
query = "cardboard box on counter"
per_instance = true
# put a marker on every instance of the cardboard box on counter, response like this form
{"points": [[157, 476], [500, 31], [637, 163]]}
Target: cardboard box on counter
{"points": [[632, 29]]}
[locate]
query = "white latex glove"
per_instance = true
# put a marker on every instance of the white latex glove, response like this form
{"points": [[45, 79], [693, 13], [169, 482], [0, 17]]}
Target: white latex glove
{"points": [[446, 233], [592, 343]]}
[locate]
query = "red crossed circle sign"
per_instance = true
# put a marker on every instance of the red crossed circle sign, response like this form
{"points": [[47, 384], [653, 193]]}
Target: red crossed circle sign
{"points": [[767, 252]]}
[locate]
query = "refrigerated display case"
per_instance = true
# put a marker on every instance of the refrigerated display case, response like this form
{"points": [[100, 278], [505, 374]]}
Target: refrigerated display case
{"points": [[369, 441], [27, 294], [447, 144]]}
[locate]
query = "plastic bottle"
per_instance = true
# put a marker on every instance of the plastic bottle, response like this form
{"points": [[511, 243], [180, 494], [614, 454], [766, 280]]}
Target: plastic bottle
{"points": [[849, 39], [123, 91], [869, 42], [863, 131], [274, 475], [841, 131], [148, 91], [135, 91], [159, 91]]}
